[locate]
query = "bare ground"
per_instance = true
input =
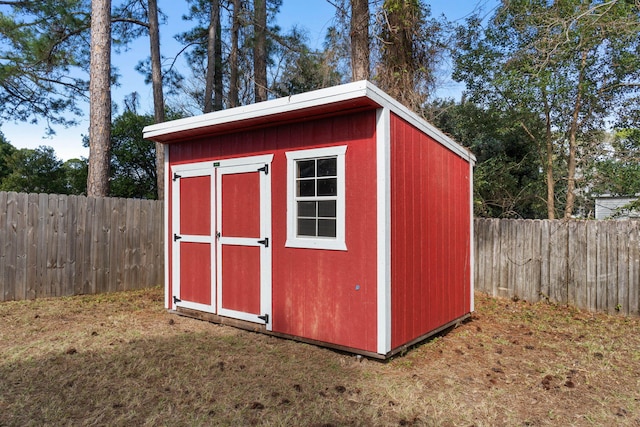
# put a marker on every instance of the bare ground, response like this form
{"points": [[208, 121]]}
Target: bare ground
{"points": [[121, 359]]}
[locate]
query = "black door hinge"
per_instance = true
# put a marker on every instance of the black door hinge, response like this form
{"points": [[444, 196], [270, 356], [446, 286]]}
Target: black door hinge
{"points": [[176, 299], [265, 318], [264, 169], [176, 237], [264, 242], [176, 176]]}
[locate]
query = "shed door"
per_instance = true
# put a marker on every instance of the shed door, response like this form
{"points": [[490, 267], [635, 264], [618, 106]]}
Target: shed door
{"points": [[193, 239], [244, 240]]}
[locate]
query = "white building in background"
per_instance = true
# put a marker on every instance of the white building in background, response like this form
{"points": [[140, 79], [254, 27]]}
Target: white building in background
{"points": [[608, 206]]}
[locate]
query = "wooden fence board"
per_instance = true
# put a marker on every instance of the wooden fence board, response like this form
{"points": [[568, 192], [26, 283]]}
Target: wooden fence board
{"points": [[591, 281], [32, 277], [576, 265], [544, 259], [4, 243], [20, 287], [634, 268], [622, 264]]}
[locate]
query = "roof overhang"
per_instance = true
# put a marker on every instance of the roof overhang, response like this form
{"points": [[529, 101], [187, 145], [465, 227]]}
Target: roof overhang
{"points": [[350, 97]]}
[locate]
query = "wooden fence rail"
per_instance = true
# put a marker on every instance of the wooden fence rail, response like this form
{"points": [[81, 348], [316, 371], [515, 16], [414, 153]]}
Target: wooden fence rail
{"points": [[593, 265], [55, 245]]}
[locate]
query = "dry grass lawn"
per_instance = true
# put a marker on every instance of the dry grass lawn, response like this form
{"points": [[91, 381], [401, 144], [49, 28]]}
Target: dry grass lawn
{"points": [[121, 359]]}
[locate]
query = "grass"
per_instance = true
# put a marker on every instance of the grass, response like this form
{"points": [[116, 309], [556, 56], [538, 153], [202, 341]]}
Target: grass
{"points": [[121, 359]]}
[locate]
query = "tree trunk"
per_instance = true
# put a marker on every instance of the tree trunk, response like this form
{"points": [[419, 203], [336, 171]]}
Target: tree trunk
{"points": [[158, 97], [551, 196], [99, 99], [233, 55], [212, 40], [260, 50], [218, 85], [573, 141], [359, 40]]}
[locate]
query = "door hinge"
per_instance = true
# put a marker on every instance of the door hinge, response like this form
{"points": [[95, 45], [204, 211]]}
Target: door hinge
{"points": [[264, 318], [264, 169], [176, 237], [218, 235], [264, 242], [176, 300], [176, 176]]}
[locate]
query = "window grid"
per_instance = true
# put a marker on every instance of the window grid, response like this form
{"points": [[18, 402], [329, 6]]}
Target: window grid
{"points": [[316, 197]]}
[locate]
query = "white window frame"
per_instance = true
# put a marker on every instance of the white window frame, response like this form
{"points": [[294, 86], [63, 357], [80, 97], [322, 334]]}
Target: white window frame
{"points": [[337, 243]]}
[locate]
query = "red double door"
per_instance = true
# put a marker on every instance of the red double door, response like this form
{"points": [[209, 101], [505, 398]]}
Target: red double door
{"points": [[221, 232]]}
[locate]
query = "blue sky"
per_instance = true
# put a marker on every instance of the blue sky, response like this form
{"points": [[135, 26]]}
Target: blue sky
{"points": [[313, 15]]}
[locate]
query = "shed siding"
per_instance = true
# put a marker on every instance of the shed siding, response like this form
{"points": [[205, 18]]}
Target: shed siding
{"points": [[430, 239], [322, 295]]}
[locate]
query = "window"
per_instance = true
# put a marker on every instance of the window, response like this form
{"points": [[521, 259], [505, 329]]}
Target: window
{"points": [[316, 198]]}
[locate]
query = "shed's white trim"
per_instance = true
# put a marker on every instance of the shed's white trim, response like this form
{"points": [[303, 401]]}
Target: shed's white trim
{"points": [[383, 215], [355, 91], [471, 243], [167, 240]]}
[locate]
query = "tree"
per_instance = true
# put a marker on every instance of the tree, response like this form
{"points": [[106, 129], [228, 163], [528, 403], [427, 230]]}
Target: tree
{"points": [[359, 35], [133, 168], [409, 45], [617, 170], [42, 54], [573, 63], [213, 80], [260, 49], [6, 151], [100, 99], [35, 171], [507, 177]]}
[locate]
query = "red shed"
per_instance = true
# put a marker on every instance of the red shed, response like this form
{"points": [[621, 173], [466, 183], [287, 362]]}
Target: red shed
{"points": [[336, 217]]}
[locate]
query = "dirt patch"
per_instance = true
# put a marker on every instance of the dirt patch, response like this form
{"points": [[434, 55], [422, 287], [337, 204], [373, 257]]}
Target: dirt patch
{"points": [[121, 359]]}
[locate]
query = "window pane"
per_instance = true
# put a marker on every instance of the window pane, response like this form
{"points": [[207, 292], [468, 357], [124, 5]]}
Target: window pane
{"points": [[327, 209], [306, 168], [327, 227], [306, 188], [328, 167], [327, 187], [307, 209], [306, 227]]}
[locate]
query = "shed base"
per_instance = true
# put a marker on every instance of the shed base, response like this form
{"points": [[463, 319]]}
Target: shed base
{"points": [[254, 327]]}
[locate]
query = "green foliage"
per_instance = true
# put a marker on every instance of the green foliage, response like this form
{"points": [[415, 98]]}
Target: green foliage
{"points": [[507, 175], [617, 171], [6, 151], [43, 47], [35, 171], [133, 168], [573, 63]]}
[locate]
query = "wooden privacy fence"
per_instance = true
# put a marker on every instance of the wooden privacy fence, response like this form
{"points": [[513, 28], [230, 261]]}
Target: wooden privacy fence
{"points": [[54, 245], [593, 265]]}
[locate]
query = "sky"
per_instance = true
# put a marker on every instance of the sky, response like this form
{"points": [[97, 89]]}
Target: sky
{"points": [[313, 15]]}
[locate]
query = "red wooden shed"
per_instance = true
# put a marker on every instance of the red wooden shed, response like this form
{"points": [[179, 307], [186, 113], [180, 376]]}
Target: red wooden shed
{"points": [[336, 217]]}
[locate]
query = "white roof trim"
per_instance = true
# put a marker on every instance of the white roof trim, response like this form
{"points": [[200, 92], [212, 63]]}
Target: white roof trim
{"points": [[316, 98]]}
